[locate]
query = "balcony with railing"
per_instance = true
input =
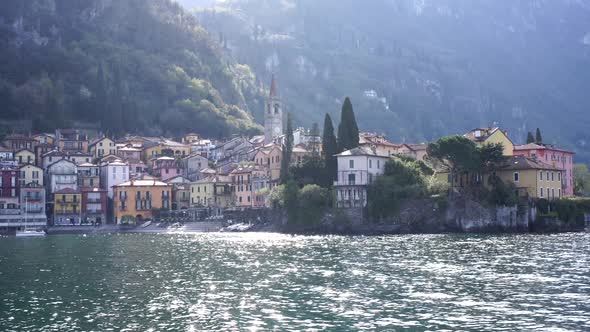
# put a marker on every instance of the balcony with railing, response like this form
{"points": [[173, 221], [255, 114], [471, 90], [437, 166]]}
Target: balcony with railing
{"points": [[353, 178]]}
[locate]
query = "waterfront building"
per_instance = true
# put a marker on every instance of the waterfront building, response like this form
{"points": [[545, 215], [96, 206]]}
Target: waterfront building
{"points": [[357, 168], [71, 140], [62, 174], [137, 199], [32, 202], [94, 205], [112, 174], [101, 147], [192, 166], [30, 174], [66, 207], [214, 192], [24, 156], [492, 135], [76, 157], [242, 179], [273, 115], [88, 175], [532, 178], [10, 213], [553, 156]]}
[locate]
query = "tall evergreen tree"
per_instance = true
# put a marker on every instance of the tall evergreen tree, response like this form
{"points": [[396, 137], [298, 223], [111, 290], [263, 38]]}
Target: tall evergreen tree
{"points": [[538, 137], [329, 147], [530, 138], [348, 131], [287, 151], [101, 97]]}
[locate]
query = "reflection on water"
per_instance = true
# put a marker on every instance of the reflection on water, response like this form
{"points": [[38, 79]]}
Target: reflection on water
{"points": [[235, 282]]}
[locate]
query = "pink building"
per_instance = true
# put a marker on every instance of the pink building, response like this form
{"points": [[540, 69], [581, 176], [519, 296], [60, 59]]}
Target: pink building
{"points": [[167, 168], [553, 156], [247, 182]]}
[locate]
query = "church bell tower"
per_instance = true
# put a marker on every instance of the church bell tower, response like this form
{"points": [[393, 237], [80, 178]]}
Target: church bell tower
{"points": [[273, 114]]}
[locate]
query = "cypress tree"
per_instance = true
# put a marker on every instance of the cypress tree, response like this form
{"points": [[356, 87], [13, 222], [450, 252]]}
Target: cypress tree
{"points": [[348, 131], [530, 138], [329, 148], [538, 137], [287, 151]]}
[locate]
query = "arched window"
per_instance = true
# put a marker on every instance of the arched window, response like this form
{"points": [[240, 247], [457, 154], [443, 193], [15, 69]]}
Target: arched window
{"points": [[277, 108]]}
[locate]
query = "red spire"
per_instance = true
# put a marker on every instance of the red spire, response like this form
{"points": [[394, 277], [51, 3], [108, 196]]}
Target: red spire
{"points": [[273, 87]]}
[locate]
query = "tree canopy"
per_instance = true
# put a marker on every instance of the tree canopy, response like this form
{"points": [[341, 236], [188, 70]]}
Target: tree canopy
{"points": [[348, 131], [329, 148]]}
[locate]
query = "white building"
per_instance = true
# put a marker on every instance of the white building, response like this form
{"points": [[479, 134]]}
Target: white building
{"points": [[112, 174], [62, 174], [357, 168]]}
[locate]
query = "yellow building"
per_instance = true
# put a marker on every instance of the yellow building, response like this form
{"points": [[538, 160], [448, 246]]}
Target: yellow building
{"points": [[269, 156], [102, 147], [25, 156], [532, 178], [66, 207], [44, 139], [214, 191], [191, 138], [138, 198], [30, 174], [494, 135]]}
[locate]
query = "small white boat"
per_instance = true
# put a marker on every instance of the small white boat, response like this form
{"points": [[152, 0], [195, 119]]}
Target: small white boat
{"points": [[30, 233]]}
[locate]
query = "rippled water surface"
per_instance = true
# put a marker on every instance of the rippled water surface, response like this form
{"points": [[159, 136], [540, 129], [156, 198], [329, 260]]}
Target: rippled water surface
{"points": [[236, 282]]}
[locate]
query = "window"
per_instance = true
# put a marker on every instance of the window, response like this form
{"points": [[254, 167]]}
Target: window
{"points": [[540, 176], [541, 192], [559, 192], [351, 163], [547, 176], [378, 163], [553, 193], [35, 174], [552, 176], [351, 179], [370, 163], [516, 176], [559, 176]]}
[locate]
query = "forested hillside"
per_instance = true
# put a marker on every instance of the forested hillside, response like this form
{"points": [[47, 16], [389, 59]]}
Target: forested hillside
{"points": [[420, 69], [140, 66]]}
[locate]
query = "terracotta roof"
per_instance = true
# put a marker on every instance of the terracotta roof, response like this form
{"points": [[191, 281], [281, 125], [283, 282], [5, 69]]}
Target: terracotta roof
{"points": [[535, 146], [524, 163]]}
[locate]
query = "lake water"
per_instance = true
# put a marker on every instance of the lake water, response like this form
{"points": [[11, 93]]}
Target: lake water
{"points": [[236, 282]]}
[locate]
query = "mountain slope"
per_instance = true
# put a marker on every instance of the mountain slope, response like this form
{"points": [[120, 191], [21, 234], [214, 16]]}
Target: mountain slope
{"points": [[140, 66], [420, 69]]}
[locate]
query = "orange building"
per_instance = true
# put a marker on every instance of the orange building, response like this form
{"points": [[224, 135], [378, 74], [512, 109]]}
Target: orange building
{"points": [[137, 199]]}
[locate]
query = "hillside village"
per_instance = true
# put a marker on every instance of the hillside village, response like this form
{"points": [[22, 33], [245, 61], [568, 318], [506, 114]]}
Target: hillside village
{"points": [[66, 178]]}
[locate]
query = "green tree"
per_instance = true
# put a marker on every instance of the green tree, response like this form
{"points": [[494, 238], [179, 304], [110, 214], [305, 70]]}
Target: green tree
{"points": [[329, 149], [457, 153], [538, 137], [291, 201], [348, 131], [311, 171], [530, 138], [287, 151], [581, 179], [489, 157]]}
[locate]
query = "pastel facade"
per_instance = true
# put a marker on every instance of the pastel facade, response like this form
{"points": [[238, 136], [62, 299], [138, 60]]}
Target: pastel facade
{"points": [[25, 156], [94, 205], [193, 165], [17, 142], [112, 174], [62, 174], [102, 147], [492, 135], [167, 167], [67, 207], [88, 175], [30, 174], [357, 168], [270, 157], [242, 180], [32, 203], [138, 199], [71, 140], [552, 156], [532, 178]]}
